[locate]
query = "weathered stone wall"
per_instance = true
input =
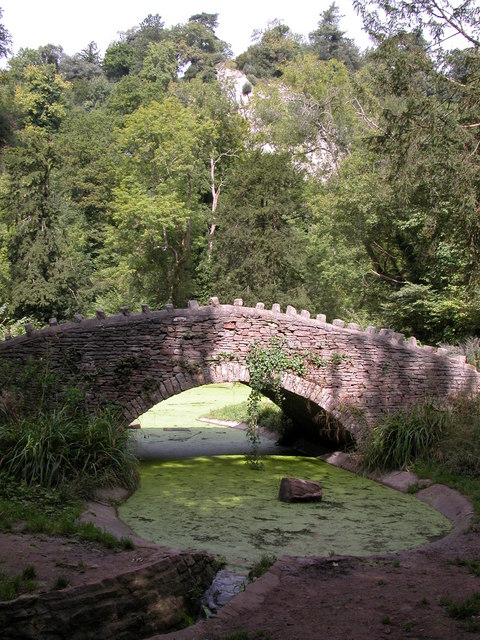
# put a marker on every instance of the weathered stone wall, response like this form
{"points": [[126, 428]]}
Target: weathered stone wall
{"points": [[139, 359], [133, 605]]}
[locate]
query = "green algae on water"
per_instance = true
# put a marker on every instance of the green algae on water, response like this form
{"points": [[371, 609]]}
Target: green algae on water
{"points": [[219, 505]]}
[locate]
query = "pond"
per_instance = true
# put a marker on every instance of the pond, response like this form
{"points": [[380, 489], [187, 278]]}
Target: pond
{"points": [[216, 503]]}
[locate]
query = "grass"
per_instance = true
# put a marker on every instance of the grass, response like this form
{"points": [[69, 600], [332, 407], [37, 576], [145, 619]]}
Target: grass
{"points": [[270, 415], [473, 566], [11, 587], [467, 612], [61, 582], [55, 448], [51, 512], [261, 566], [402, 438]]}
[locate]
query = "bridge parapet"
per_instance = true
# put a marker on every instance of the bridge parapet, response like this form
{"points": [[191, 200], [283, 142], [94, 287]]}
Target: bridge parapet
{"points": [[136, 359]]}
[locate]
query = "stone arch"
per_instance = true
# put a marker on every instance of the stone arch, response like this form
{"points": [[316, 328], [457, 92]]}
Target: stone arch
{"points": [[175, 384], [355, 376]]}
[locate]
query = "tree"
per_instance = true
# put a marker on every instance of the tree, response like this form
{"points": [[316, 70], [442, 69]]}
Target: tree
{"points": [[227, 134], [274, 47], [85, 64], [156, 201], [86, 173], [120, 59], [150, 31], [49, 54], [259, 248], [5, 38], [44, 242], [409, 192], [199, 49], [160, 65], [328, 41], [440, 18], [41, 98]]}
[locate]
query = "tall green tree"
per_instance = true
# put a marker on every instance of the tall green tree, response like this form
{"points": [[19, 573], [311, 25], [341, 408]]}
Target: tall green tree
{"points": [[328, 41], [441, 19], [41, 97], [260, 248], [199, 48], [410, 193], [274, 47], [44, 242], [5, 38], [156, 202]]}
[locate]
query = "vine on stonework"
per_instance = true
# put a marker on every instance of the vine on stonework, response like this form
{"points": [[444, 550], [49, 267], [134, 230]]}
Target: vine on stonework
{"points": [[266, 367]]}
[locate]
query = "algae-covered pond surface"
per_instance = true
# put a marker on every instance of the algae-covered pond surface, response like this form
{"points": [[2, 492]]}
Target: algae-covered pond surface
{"points": [[192, 498], [220, 505]]}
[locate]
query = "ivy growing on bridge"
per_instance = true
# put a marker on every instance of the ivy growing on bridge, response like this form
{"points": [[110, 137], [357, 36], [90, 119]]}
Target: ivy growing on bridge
{"points": [[267, 366]]}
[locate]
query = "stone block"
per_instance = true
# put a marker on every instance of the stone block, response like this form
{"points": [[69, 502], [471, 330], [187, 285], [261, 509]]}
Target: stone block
{"points": [[297, 490]]}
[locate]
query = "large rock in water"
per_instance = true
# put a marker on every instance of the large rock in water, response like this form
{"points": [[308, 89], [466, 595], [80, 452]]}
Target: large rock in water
{"points": [[296, 490]]}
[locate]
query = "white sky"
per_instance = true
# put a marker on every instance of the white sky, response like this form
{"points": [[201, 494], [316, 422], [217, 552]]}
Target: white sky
{"points": [[73, 25]]}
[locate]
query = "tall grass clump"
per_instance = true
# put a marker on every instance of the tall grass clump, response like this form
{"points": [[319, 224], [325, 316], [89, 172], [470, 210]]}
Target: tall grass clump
{"points": [[470, 348], [50, 439], [403, 438], [440, 444], [85, 451]]}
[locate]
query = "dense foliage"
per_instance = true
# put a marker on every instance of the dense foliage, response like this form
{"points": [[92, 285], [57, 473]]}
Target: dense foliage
{"points": [[343, 182], [49, 439]]}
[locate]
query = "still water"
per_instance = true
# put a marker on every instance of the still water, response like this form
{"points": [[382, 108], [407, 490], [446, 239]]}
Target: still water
{"points": [[216, 503]]}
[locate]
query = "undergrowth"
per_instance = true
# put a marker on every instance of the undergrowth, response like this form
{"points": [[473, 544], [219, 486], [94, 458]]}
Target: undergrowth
{"points": [[266, 367], [13, 586], [466, 612], [261, 567], [441, 444], [54, 453], [49, 438]]}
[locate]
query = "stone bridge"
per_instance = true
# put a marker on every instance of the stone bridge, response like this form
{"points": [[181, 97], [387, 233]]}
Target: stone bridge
{"points": [[354, 377]]}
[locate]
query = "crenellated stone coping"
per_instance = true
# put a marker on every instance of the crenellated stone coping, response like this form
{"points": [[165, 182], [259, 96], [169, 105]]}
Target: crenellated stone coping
{"points": [[125, 315]]}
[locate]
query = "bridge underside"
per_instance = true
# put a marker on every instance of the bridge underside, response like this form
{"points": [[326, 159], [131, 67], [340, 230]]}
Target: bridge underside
{"points": [[312, 422], [309, 420]]}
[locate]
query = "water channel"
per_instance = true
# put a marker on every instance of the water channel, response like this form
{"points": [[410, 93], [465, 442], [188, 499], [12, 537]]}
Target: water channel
{"points": [[197, 493]]}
